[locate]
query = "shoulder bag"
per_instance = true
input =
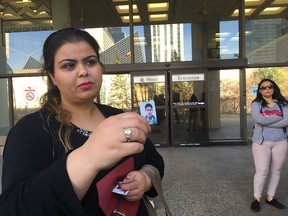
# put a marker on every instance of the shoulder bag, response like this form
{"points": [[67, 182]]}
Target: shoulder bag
{"points": [[155, 178]]}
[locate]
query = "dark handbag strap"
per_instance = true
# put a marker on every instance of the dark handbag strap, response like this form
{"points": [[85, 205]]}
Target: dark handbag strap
{"points": [[155, 178]]}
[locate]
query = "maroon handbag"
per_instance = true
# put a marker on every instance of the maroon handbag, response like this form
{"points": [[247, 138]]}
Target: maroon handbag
{"points": [[114, 204]]}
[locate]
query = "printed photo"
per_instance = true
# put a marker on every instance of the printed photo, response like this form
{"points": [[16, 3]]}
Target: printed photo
{"points": [[148, 111]]}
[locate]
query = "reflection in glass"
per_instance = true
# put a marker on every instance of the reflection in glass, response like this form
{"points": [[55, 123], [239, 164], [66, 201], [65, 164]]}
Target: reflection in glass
{"points": [[266, 40], [24, 51], [159, 132], [164, 43], [148, 91], [189, 129], [185, 136], [152, 44], [223, 40], [116, 91]]}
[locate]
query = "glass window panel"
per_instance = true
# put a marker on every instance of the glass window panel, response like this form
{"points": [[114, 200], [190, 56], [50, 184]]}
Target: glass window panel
{"points": [[253, 77], [24, 51], [116, 91], [162, 43], [223, 39], [27, 92], [267, 33], [114, 44], [4, 107], [173, 42], [158, 133], [267, 40], [188, 110], [147, 91], [224, 121]]}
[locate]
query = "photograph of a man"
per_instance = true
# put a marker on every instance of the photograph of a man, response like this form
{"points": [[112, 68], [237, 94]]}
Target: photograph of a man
{"points": [[148, 110]]}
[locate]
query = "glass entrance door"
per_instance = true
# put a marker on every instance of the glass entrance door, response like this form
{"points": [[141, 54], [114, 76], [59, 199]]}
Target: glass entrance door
{"points": [[188, 122], [150, 99], [176, 104]]}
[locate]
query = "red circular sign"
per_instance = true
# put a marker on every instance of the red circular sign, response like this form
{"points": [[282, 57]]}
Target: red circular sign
{"points": [[30, 96]]}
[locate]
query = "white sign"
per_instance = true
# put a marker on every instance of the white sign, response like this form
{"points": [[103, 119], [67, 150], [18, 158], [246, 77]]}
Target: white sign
{"points": [[187, 77], [30, 93], [254, 90], [149, 79]]}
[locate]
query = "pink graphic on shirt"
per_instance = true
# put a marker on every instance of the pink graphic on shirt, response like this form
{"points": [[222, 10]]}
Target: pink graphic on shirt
{"points": [[271, 113]]}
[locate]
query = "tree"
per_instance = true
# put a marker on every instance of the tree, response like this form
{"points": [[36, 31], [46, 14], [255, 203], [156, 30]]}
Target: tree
{"points": [[274, 74], [175, 56], [229, 97], [277, 74], [120, 95]]}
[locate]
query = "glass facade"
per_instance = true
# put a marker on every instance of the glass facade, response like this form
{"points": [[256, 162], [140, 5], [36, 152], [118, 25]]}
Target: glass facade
{"points": [[211, 35]]}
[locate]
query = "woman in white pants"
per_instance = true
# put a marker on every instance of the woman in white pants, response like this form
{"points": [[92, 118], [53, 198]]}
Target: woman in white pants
{"points": [[270, 114]]}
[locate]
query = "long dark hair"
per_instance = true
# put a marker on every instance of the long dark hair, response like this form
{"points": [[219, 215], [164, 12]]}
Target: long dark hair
{"points": [[281, 100], [51, 101]]}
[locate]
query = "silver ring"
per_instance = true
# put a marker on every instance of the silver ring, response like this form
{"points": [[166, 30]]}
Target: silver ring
{"points": [[127, 132]]}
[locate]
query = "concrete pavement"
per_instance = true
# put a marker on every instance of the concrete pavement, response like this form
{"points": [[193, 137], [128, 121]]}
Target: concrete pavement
{"points": [[213, 181]]}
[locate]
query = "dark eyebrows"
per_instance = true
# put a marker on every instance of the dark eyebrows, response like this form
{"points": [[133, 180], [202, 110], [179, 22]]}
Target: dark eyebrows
{"points": [[73, 60], [91, 56]]}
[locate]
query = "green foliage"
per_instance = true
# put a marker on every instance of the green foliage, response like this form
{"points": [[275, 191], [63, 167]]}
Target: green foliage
{"points": [[175, 56], [119, 94], [277, 74], [274, 74]]}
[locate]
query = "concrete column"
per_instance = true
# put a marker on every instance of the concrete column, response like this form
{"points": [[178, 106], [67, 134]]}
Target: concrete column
{"points": [[213, 96], [197, 42]]}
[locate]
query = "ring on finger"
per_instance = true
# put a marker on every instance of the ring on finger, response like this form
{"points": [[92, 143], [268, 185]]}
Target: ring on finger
{"points": [[127, 132]]}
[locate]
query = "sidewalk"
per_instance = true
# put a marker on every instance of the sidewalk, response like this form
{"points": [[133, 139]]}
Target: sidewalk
{"points": [[213, 181]]}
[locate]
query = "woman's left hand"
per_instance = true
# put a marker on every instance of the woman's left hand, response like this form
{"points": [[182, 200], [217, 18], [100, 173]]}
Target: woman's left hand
{"points": [[138, 184]]}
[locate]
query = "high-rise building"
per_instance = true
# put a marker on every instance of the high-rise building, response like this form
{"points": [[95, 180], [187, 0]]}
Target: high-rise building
{"points": [[167, 42], [116, 33], [103, 37], [120, 52], [261, 43]]}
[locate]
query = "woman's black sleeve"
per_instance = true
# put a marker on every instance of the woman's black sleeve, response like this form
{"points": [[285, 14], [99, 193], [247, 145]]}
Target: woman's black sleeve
{"points": [[32, 182]]}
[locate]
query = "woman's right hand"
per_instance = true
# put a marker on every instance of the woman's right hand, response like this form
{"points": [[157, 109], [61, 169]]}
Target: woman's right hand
{"points": [[108, 143], [105, 147]]}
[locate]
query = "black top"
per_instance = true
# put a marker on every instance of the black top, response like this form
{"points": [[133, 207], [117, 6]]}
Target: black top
{"points": [[35, 180]]}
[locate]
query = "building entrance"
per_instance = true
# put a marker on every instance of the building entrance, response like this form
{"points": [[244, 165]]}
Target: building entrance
{"points": [[188, 108], [178, 103]]}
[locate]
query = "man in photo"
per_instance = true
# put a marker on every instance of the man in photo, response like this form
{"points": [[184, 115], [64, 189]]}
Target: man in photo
{"points": [[149, 114]]}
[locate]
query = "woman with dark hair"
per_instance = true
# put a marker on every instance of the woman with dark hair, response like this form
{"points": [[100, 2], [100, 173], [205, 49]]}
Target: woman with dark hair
{"points": [[270, 114], [55, 159]]}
